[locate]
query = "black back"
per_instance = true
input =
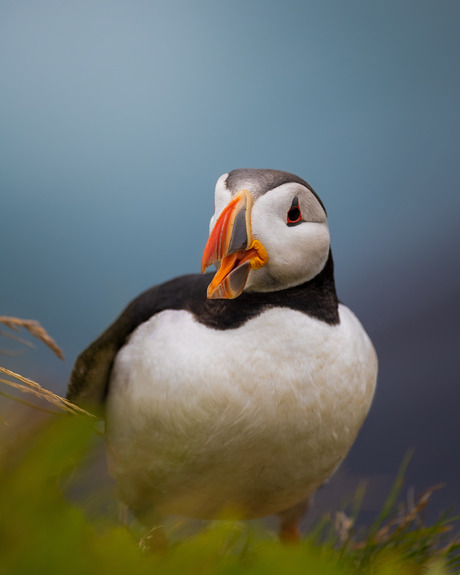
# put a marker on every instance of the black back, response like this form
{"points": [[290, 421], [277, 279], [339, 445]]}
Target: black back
{"points": [[90, 376]]}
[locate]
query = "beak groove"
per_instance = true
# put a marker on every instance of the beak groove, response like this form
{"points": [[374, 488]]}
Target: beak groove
{"points": [[230, 232], [231, 245]]}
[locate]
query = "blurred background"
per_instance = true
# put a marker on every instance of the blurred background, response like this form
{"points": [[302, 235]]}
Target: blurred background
{"points": [[117, 118]]}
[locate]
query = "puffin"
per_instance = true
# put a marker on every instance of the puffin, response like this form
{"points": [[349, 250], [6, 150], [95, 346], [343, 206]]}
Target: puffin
{"points": [[237, 393]]}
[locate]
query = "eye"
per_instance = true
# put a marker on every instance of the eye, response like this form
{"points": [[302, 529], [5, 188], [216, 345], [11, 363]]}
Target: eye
{"points": [[294, 215]]}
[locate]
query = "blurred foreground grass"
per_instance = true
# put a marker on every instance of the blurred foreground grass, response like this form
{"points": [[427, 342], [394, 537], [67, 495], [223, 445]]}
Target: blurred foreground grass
{"points": [[44, 530]]}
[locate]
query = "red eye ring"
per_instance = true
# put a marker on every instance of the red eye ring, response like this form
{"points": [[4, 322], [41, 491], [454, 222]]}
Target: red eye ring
{"points": [[294, 215]]}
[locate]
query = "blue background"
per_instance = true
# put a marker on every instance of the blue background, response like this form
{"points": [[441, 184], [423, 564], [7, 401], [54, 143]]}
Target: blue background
{"points": [[116, 119]]}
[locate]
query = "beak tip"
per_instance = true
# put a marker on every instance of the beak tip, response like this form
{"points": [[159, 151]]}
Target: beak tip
{"points": [[205, 263]]}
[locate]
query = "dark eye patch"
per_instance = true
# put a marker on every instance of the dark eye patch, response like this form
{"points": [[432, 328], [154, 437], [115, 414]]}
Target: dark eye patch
{"points": [[294, 215]]}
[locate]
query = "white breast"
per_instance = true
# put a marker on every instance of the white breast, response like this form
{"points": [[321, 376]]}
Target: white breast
{"points": [[252, 419]]}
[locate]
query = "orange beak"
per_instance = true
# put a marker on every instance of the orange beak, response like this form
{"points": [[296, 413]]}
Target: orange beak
{"points": [[231, 244]]}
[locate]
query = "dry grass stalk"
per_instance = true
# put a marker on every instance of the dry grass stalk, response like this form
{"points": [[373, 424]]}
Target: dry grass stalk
{"points": [[34, 388], [401, 523], [24, 402], [343, 524], [21, 340], [35, 329]]}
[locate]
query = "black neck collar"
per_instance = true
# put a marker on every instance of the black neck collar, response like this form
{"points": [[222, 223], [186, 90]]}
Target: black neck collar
{"points": [[317, 298]]}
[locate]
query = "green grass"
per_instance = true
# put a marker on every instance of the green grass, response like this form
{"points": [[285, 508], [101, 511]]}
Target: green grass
{"points": [[43, 529]]}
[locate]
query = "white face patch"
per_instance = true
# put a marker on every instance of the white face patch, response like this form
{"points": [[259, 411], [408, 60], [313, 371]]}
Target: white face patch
{"points": [[296, 253]]}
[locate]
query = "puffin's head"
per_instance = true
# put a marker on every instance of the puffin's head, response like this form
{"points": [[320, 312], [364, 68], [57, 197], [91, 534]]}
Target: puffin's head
{"points": [[269, 232]]}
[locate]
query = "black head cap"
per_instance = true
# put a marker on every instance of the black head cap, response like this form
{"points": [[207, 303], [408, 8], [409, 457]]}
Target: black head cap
{"points": [[261, 181]]}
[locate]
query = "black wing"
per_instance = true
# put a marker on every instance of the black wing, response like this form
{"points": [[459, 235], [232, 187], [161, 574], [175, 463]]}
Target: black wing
{"points": [[89, 380]]}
